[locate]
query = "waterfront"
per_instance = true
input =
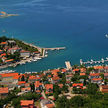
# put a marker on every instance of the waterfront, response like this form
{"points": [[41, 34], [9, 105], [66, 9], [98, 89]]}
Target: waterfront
{"points": [[79, 26]]}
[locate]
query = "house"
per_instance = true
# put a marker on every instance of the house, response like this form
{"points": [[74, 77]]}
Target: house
{"points": [[15, 79], [77, 85], [38, 85], [27, 89], [27, 104], [94, 75], [21, 83], [8, 77], [75, 70], [63, 70], [60, 85], [4, 59], [83, 70], [105, 75], [99, 68], [55, 72], [106, 68], [25, 53], [32, 79], [46, 103], [9, 61], [1, 51], [69, 77], [13, 50], [104, 88], [55, 79], [3, 92], [49, 88], [3, 44], [82, 74], [96, 80]]}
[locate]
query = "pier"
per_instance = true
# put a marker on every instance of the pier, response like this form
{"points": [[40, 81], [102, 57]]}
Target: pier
{"points": [[57, 48], [94, 61]]}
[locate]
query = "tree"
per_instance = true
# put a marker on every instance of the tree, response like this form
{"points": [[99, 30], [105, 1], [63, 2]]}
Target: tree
{"points": [[77, 101], [23, 78]]}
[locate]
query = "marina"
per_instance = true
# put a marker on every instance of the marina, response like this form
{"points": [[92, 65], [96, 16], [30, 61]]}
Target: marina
{"points": [[93, 61]]}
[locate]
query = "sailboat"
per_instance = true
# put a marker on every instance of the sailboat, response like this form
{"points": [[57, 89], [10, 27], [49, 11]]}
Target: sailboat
{"points": [[106, 35]]}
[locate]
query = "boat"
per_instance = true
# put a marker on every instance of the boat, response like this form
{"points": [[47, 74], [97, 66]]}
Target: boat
{"points": [[106, 35]]}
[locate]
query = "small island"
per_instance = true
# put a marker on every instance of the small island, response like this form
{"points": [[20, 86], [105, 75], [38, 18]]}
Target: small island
{"points": [[4, 14]]}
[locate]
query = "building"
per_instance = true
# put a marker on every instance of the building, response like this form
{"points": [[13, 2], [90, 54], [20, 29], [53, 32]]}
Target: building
{"points": [[49, 88], [25, 53], [3, 92], [104, 88], [46, 103], [105, 75], [55, 79], [94, 75], [96, 80], [27, 104], [77, 85]]}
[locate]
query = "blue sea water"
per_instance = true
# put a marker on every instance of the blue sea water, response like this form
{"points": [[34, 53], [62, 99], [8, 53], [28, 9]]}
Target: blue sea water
{"points": [[79, 25]]}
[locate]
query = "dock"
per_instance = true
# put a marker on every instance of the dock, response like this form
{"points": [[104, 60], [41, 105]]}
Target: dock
{"points": [[94, 61], [56, 48]]}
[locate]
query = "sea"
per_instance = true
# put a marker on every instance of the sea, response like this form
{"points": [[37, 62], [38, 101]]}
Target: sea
{"points": [[78, 25]]}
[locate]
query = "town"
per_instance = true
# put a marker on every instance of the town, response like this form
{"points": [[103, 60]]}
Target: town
{"points": [[71, 87]]}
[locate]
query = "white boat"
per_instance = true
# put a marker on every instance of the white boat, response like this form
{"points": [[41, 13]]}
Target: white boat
{"points": [[106, 35]]}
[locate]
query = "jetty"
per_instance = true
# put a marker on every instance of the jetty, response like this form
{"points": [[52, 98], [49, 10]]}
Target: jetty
{"points": [[57, 48], [94, 61]]}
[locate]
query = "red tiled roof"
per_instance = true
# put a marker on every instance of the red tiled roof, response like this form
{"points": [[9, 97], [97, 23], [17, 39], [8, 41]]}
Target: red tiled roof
{"points": [[63, 70], [98, 67], [49, 76], [50, 105], [105, 74], [10, 60], [4, 54], [21, 82], [55, 78], [60, 85], [83, 69], [94, 74], [16, 77], [37, 83], [77, 84], [4, 90], [104, 88], [3, 43], [38, 91], [25, 51], [55, 71], [49, 86], [26, 102], [26, 89], [9, 74], [82, 74], [75, 70], [97, 79], [106, 67]]}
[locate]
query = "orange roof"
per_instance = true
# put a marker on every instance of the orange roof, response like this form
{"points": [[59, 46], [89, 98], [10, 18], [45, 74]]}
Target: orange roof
{"points": [[26, 102], [4, 90], [21, 82], [26, 89], [94, 74], [1, 50], [16, 77], [82, 74], [27, 84], [97, 79], [49, 76], [4, 54], [9, 74], [75, 70], [38, 91], [10, 60], [50, 105], [55, 71], [63, 70], [60, 85], [98, 67], [34, 77], [55, 78], [49, 86], [106, 67], [104, 89], [3, 43], [24, 51], [37, 83], [83, 69], [77, 84]]}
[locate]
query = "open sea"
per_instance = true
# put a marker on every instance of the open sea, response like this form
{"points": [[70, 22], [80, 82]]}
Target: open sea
{"points": [[78, 25]]}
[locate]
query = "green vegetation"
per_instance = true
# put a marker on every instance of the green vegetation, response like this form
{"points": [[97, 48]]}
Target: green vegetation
{"points": [[24, 46]]}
